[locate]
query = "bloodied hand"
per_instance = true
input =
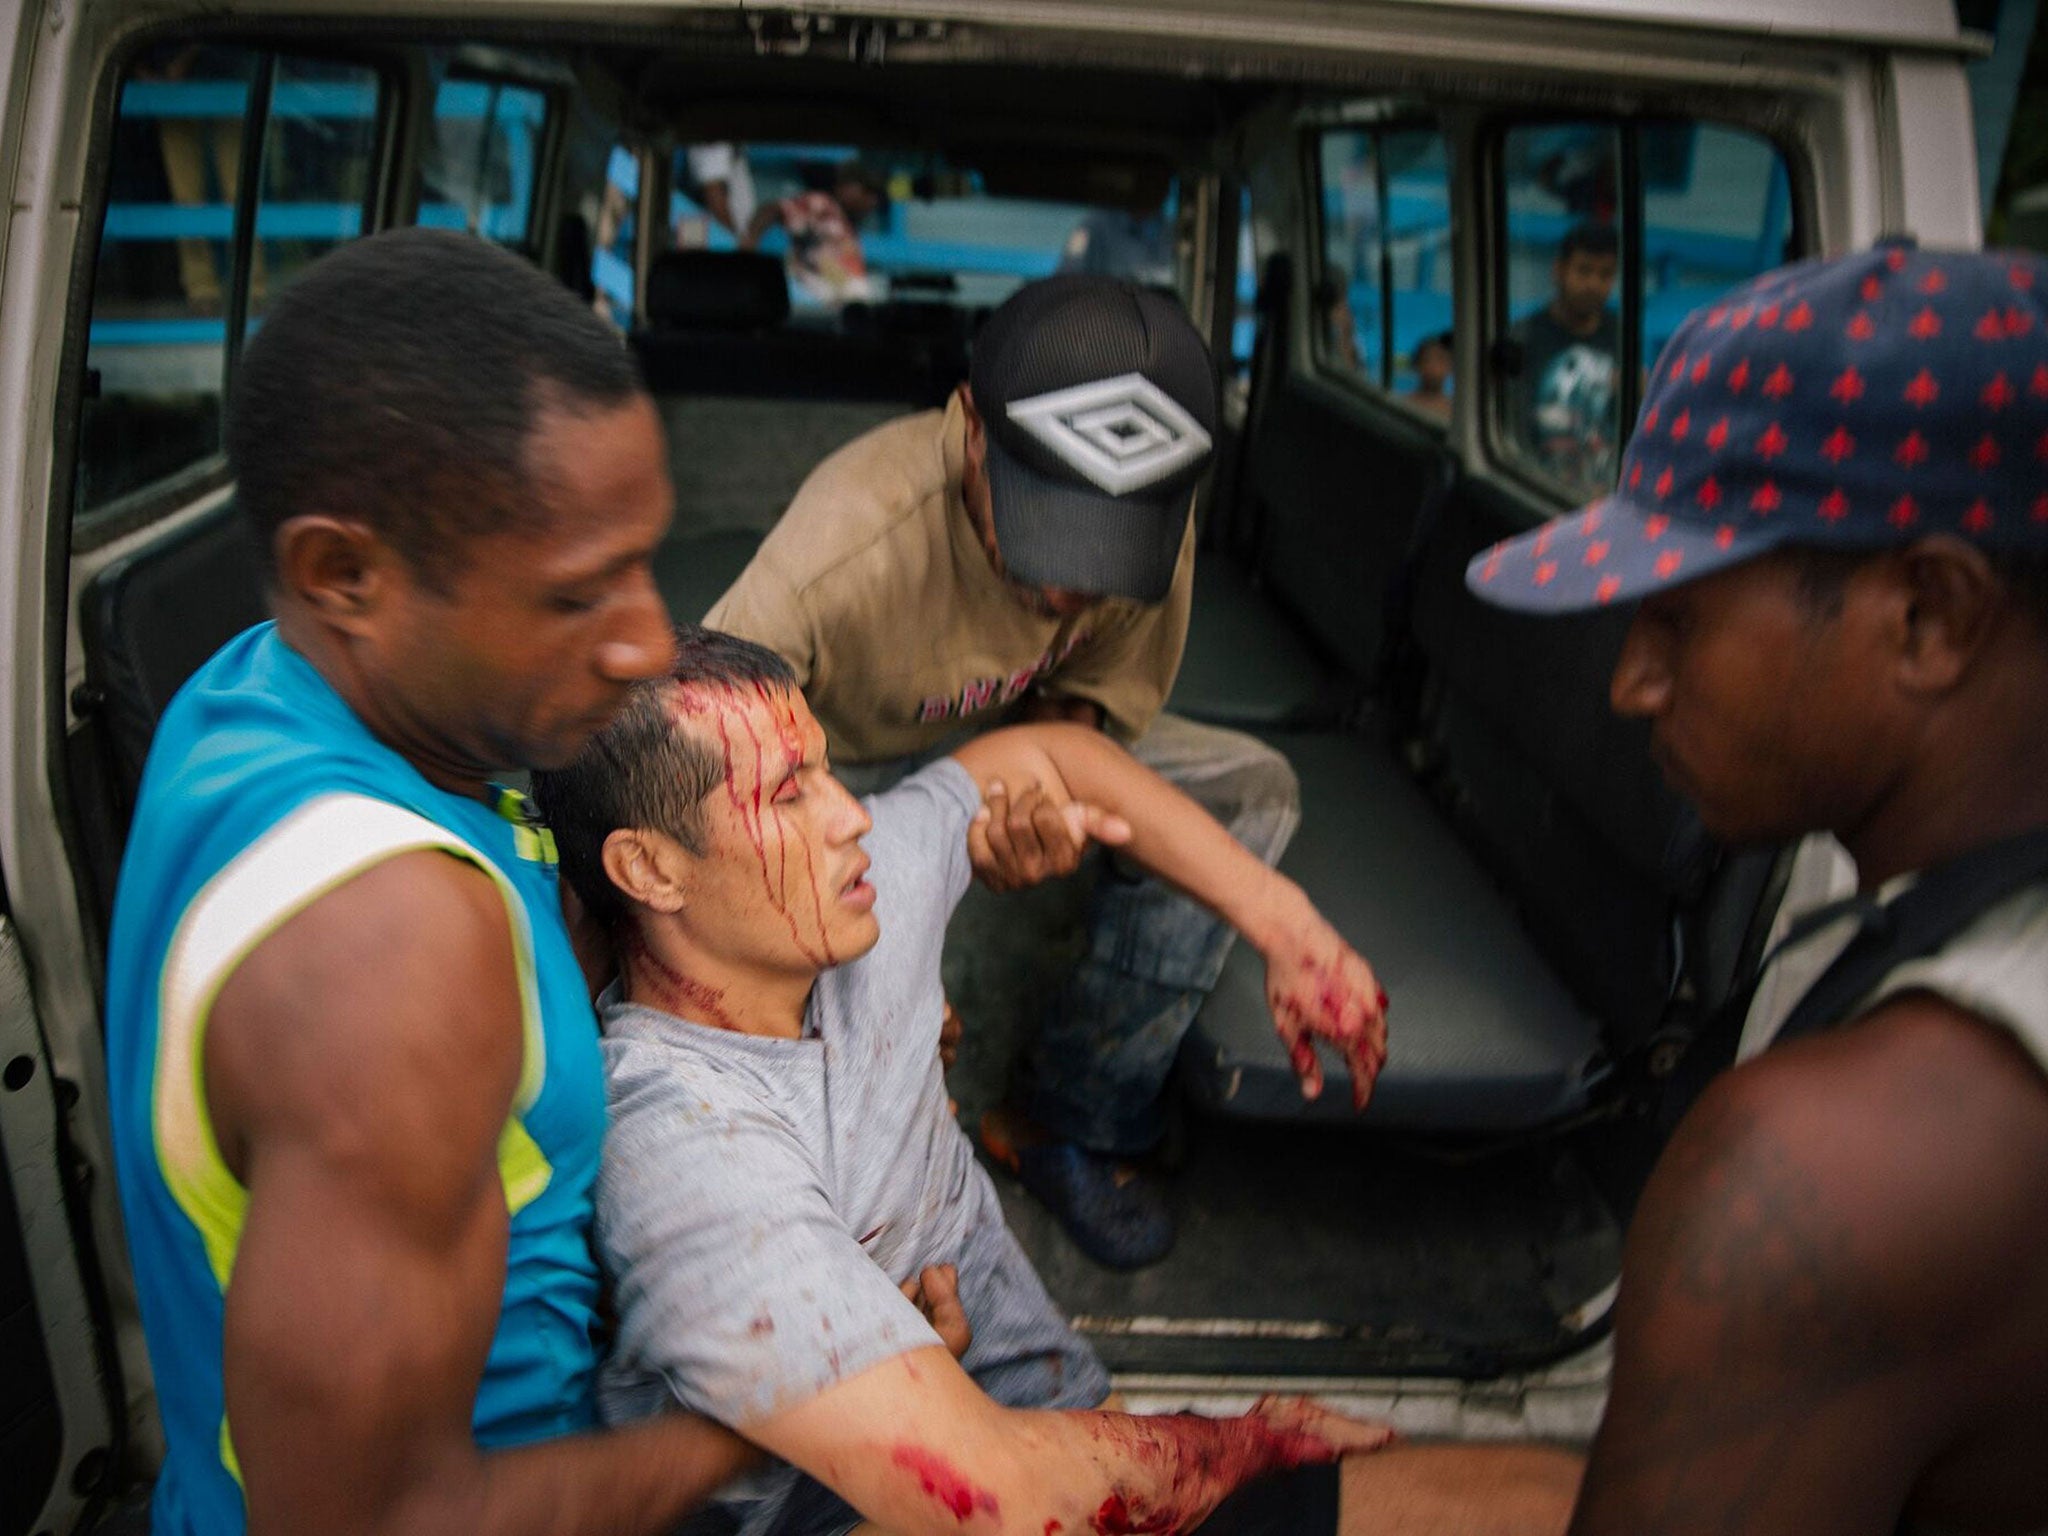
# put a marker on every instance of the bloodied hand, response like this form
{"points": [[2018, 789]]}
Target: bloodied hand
{"points": [[1321, 990]]}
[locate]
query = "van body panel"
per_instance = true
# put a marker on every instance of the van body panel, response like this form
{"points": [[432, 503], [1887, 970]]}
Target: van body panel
{"points": [[59, 1430], [1867, 98], [48, 110]]}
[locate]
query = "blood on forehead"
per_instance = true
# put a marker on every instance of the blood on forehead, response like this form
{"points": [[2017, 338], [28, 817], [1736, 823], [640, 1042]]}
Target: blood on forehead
{"points": [[773, 716]]}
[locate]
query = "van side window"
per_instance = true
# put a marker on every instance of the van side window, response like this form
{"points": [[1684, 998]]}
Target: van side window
{"points": [[1563, 254], [318, 171], [1382, 297], [478, 172], [612, 259], [1611, 229], [232, 168]]}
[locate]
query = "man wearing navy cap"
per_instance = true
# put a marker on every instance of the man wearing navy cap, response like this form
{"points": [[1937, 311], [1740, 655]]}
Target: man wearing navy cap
{"points": [[1834, 516], [1027, 553]]}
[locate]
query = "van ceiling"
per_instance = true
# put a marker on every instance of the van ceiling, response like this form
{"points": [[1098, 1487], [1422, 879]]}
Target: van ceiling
{"points": [[952, 106]]}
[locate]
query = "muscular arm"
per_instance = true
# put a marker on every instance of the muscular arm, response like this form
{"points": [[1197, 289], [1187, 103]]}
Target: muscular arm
{"points": [[1316, 984], [360, 1065], [1833, 1283], [919, 1449]]}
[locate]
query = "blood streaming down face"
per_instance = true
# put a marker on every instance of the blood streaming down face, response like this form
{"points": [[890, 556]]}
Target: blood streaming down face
{"points": [[783, 880]]}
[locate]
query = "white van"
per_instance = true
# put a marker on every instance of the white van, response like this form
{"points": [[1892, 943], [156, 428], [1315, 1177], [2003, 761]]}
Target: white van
{"points": [[1330, 187]]}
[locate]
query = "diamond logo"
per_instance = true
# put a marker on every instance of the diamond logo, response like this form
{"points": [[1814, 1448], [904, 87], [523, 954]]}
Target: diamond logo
{"points": [[1120, 434]]}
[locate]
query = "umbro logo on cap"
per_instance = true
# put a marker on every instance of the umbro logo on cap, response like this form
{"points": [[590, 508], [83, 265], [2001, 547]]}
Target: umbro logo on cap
{"points": [[1119, 434], [1099, 404]]}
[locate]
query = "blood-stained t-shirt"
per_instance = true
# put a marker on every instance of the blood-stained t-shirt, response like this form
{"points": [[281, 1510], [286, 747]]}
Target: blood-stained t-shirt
{"points": [[762, 1198], [874, 587]]}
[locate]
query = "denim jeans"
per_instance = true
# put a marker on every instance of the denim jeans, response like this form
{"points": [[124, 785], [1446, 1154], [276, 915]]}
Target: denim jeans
{"points": [[1097, 1072]]}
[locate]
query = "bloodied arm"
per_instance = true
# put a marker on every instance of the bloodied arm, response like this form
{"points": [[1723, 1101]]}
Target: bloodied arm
{"points": [[1317, 986], [1835, 1294], [359, 1107], [920, 1450]]}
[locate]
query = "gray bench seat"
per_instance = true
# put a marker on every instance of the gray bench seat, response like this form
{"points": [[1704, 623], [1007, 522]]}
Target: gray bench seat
{"points": [[1483, 1037], [692, 571], [1245, 665]]}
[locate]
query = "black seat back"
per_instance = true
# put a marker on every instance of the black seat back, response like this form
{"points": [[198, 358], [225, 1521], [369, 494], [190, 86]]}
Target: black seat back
{"points": [[148, 621], [719, 324], [1562, 795], [716, 291]]}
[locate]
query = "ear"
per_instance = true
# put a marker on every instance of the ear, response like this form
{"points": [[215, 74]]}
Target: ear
{"points": [[648, 867], [335, 566], [1952, 603], [975, 428]]}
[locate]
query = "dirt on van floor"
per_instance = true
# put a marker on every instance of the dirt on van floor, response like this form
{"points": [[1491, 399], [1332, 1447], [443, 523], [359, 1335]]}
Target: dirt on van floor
{"points": [[1302, 1250]]}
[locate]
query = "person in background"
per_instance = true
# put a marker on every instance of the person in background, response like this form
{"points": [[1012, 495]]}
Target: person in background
{"points": [[824, 255], [724, 183], [1434, 356], [1339, 325], [1564, 402]]}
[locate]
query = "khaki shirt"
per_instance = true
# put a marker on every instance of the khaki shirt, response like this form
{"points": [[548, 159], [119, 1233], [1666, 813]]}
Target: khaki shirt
{"points": [[875, 589]]}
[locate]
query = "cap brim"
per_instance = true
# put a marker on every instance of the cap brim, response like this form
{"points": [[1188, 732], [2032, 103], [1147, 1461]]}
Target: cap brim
{"points": [[1053, 533], [1611, 552]]}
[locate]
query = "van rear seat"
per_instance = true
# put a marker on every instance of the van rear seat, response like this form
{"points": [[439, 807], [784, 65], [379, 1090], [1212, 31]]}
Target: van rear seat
{"points": [[719, 324], [1520, 900], [692, 572], [1246, 666], [1483, 1038]]}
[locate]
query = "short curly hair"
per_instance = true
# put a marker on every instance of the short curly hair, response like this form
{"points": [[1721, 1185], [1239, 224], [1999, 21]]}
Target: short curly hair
{"points": [[398, 381]]}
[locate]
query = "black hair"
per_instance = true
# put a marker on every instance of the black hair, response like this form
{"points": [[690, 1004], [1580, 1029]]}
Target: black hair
{"points": [[648, 768], [1593, 237], [1824, 574], [1442, 339], [398, 381]]}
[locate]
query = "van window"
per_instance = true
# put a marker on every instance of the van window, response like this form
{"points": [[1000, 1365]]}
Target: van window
{"points": [[174, 276], [1382, 299], [317, 174], [1563, 259], [858, 225], [1600, 219], [156, 348], [478, 170], [612, 260]]}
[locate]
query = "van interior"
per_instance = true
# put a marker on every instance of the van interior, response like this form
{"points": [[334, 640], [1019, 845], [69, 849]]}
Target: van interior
{"points": [[1550, 922]]}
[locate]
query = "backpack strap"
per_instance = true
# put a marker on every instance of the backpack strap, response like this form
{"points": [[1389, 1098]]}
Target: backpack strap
{"points": [[1945, 900]]}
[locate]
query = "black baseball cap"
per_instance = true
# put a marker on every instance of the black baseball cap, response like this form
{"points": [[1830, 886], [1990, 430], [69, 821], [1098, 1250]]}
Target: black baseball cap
{"points": [[1100, 405]]}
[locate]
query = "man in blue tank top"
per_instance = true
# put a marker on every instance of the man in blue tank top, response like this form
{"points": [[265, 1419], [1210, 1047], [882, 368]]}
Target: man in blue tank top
{"points": [[357, 1093]]}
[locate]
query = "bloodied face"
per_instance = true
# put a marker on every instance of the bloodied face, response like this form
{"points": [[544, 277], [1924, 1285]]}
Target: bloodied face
{"points": [[782, 884]]}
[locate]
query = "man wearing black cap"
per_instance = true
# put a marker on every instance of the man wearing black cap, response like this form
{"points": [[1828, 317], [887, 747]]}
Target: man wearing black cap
{"points": [[1028, 553], [1834, 1309]]}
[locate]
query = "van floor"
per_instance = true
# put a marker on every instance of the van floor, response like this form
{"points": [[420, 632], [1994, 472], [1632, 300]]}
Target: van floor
{"points": [[1303, 1251]]}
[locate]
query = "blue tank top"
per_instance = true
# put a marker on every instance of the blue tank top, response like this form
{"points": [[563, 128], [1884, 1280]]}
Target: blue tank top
{"points": [[263, 790]]}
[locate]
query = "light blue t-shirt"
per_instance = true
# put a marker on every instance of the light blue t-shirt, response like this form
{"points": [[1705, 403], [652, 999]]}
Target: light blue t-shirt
{"points": [[760, 1199]]}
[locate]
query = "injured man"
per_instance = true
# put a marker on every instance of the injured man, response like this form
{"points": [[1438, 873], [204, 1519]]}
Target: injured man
{"points": [[782, 1166]]}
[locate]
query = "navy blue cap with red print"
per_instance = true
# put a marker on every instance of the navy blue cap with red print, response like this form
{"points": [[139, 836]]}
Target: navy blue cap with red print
{"points": [[1852, 402]]}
